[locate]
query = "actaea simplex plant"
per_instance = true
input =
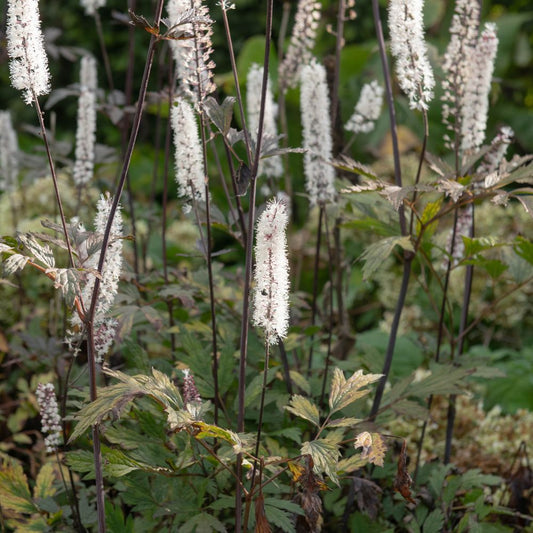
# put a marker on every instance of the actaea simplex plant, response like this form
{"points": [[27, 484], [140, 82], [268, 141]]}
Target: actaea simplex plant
{"points": [[274, 417]]}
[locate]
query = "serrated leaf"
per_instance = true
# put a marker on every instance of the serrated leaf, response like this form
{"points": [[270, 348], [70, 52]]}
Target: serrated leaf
{"points": [[451, 188], [444, 379], [42, 253], [474, 246], [375, 255], [67, 280], [494, 267], [44, 482], [344, 392], [304, 408], [325, 455], [300, 381], [280, 518], [430, 212], [524, 249], [345, 422], [14, 263], [14, 490], [202, 523], [434, 521], [410, 409], [345, 466], [212, 431], [349, 165], [220, 114]]}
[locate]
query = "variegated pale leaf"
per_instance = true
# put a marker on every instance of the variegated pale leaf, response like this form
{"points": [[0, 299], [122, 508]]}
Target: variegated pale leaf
{"points": [[67, 280], [451, 188], [14, 263], [42, 253], [5, 248], [344, 392], [304, 408], [325, 455]]}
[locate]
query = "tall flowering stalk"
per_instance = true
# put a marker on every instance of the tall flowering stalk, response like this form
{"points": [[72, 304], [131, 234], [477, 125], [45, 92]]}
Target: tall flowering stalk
{"points": [[476, 98], [415, 75], [193, 56], [50, 419], [271, 274], [25, 46], [498, 149], [86, 130], [9, 162], [367, 109], [271, 167], [464, 33], [103, 326], [190, 173], [302, 42], [316, 124]]}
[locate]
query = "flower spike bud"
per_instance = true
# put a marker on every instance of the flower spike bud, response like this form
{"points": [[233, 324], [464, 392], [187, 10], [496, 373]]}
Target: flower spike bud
{"points": [[367, 109], [271, 167], [92, 6], [50, 419], [415, 75], [86, 131], [302, 42], [498, 148], [271, 275], [190, 174], [476, 99], [25, 47], [316, 124]]}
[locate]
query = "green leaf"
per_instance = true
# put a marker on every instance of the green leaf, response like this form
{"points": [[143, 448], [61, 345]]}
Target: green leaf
{"points": [[434, 522], [524, 249], [444, 379], [494, 267], [304, 408], [300, 381], [44, 482], [279, 518], [202, 523], [345, 422], [474, 246], [344, 392], [375, 255], [325, 455], [14, 491], [430, 212], [220, 114]]}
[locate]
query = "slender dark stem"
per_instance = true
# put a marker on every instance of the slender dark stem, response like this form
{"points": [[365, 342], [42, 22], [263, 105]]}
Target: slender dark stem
{"points": [[469, 275], [330, 312], [54, 178], [315, 287], [390, 101], [107, 234], [339, 43], [286, 367], [248, 265], [103, 49], [392, 337], [439, 339], [419, 171], [237, 85]]}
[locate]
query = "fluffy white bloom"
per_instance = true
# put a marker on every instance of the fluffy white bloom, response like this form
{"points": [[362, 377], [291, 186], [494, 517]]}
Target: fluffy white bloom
{"points": [[86, 131], [367, 109], [476, 98], [50, 419], [272, 167], [498, 148], [25, 47], [9, 164], [316, 125], [192, 57], [301, 44], [190, 175], [91, 6], [464, 33], [104, 327], [271, 275], [415, 75]]}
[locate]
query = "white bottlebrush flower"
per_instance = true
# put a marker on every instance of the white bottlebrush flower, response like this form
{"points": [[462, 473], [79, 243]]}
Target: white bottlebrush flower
{"points": [[415, 75], [25, 47], [86, 130], [9, 163], [367, 109], [464, 33], [50, 419], [190, 174], [316, 125], [302, 42], [476, 98], [271, 274], [192, 57], [104, 327], [271, 167], [92, 6]]}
